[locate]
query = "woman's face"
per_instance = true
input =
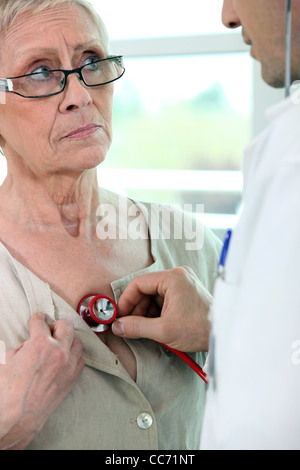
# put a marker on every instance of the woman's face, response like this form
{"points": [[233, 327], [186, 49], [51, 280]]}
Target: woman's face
{"points": [[69, 132]]}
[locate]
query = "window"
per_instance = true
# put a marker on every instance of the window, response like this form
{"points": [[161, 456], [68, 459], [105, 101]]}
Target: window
{"points": [[134, 19], [180, 127], [191, 100]]}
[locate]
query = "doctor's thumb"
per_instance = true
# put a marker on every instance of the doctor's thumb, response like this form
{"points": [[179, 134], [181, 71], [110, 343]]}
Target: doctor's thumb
{"points": [[136, 327], [118, 328]]}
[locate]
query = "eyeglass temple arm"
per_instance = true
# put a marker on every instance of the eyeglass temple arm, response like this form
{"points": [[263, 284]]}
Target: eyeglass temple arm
{"points": [[6, 84]]}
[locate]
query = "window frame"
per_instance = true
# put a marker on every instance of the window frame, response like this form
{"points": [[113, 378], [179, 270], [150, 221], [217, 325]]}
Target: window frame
{"points": [[263, 96]]}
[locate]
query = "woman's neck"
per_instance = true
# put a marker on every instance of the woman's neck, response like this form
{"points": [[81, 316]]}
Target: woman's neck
{"points": [[65, 203]]}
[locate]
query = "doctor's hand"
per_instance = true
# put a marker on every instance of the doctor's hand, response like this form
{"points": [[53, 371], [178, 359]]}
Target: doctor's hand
{"points": [[36, 378], [170, 307]]}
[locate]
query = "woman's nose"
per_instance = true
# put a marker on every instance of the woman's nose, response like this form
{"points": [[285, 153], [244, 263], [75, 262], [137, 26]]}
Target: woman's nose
{"points": [[229, 16], [76, 95]]}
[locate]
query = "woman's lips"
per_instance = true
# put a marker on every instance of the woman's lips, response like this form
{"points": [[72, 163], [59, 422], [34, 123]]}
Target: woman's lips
{"points": [[82, 132]]}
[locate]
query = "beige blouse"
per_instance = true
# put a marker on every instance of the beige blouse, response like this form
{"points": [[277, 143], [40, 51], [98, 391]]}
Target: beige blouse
{"points": [[162, 410]]}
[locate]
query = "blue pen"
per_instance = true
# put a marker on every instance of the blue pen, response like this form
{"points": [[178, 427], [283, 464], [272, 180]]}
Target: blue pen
{"points": [[212, 346], [224, 253]]}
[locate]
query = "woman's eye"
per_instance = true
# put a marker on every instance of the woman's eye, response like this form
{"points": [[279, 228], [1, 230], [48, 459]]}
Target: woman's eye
{"points": [[92, 63], [40, 73]]}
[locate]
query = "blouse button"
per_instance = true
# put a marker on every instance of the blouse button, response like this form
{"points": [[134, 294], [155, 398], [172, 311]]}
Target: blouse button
{"points": [[144, 421]]}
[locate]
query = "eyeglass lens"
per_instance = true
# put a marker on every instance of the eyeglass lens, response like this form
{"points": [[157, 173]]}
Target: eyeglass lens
{"points": [[49, 82]]}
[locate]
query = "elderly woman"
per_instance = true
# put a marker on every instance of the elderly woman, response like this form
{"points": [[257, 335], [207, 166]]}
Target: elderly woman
{"points": [[55, 129]]}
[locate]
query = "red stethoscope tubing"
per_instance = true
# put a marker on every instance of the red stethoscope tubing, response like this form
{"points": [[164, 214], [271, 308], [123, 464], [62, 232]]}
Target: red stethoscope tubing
{"points": [[189, 361]]}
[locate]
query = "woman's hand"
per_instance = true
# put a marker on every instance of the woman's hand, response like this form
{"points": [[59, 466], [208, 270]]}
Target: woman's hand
{"points": [[36, 378], [169, 307]]}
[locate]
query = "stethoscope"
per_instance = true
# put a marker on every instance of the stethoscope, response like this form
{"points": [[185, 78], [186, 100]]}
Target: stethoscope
{"points": [[100, 311], [288, 48]]}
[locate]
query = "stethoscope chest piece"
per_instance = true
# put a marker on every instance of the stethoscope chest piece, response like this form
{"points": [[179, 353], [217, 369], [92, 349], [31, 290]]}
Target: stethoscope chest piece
{"points": [[98, 311]]}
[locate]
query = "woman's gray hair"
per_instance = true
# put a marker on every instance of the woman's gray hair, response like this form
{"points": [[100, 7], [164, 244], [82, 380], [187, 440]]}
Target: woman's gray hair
{"points": [[10, 10]]}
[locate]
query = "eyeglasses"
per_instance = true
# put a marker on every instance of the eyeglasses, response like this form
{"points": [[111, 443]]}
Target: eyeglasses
{"points": [[53, 82]]}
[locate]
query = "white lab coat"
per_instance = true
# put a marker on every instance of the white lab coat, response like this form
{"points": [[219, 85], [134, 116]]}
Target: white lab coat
{"points": [[255, 402]]}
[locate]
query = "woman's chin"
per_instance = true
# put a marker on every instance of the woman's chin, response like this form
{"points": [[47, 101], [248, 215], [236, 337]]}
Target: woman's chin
{"points": [[85, 159], [92, 161]]}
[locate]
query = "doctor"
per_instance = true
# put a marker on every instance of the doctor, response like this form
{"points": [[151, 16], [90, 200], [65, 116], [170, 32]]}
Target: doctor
{"points": [[253, 397]]}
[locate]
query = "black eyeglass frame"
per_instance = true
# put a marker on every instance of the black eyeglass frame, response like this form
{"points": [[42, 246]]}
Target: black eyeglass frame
{"points": [[118, 59]]}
